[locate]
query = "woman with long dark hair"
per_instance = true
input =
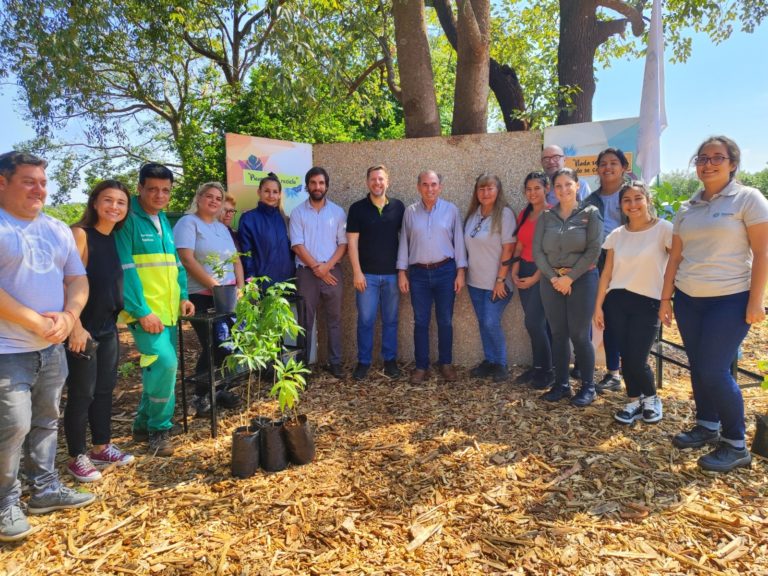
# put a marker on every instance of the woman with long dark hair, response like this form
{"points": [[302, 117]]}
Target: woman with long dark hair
{"points": [[92, 348], [489, 237], [717, 273], [526, 276], [566, 246], [628, 297]]}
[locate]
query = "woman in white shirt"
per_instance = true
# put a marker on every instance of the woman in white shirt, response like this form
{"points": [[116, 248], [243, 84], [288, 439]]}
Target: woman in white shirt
{"points": [[628, 297], [717, 270]]}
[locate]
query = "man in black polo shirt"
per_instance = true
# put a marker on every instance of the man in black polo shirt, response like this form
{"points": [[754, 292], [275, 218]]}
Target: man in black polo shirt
{"points": [[373, 228]]}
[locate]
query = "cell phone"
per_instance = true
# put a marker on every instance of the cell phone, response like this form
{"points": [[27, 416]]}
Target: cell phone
{"points": [[90, 349]]}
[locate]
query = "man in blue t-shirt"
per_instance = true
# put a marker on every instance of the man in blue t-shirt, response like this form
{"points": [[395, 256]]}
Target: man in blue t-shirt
{"points": [[43, 289], [373, 230]]}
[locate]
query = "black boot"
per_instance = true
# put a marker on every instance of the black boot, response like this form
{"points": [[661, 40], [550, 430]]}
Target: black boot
{"points": [[586, 395], [557, 392]]}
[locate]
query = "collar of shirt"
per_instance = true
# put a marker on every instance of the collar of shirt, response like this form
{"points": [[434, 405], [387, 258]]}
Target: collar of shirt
{"points": [[380, 209], [730, 190]]}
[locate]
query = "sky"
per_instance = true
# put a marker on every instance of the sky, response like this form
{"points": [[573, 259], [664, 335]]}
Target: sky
{"points": [[721, 89]]}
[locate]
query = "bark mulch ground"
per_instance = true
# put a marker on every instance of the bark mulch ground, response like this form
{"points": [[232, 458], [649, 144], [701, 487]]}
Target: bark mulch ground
{"points": [[467, 478]]}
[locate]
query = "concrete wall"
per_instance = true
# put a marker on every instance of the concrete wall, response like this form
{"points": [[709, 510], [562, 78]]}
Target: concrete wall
{"points": [[460, 160]]}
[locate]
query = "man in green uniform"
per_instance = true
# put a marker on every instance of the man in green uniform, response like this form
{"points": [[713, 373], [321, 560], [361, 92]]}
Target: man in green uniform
{"points": [[155, 291]]}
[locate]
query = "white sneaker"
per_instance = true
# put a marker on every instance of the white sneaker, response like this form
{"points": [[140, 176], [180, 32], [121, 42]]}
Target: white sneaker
{"points": [[631, 412], [652, 410]]}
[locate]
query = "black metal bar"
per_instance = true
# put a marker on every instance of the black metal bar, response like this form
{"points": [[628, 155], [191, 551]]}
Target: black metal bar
{"points": [[212, 378]]}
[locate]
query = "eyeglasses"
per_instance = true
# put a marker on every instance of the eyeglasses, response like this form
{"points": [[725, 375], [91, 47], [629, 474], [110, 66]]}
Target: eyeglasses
{"points": [[702, 160], [230, 211], [477, 228], [554, 158]]}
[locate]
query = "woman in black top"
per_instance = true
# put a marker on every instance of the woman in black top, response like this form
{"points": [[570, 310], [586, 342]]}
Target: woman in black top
{"points": [[92, 349]]}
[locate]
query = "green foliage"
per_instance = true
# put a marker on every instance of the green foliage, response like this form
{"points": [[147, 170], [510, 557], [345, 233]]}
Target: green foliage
{"points": [[289, 383], [126, 369], [762, 365], [67, 213], [757, 180], [219, 266]]}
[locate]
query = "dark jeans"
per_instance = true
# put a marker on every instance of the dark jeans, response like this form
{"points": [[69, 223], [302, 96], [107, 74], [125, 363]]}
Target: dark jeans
{"points": [[712, 330], [636, 319], [221, 333], [535, 319], [90, 385], [611, 334], [570, 318], [428, 287], [313, 290]]}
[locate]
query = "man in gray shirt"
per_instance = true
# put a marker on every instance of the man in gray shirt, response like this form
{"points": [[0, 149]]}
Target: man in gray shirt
{"points": [[43, 289], [318, 238], [431, 264]]}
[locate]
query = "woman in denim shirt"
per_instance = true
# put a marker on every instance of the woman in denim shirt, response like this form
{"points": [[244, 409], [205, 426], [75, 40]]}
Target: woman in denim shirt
{"points": [[566, 247]]}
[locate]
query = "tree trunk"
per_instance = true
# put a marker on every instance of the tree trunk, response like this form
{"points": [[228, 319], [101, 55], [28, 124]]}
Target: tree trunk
{"points": [[576, 57], [415, 64], [470, 105]]}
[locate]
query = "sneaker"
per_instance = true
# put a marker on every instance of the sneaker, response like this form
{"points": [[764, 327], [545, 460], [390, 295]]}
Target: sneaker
{"points": [[725, 458], [335, 371], [160, 443], [482, 370], [201, 404], [557, 392], [361, 371], [631, 412], [62, 498], [696, 437], [227, 399], [391, 370], [610, 382], [652, 411], [585, 396], [83, 469], [543, 379], [111, 454], [13, 524], [527, 376], [499, 373]]}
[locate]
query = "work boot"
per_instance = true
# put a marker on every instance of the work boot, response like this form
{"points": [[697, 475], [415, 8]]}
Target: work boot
{"points": [[482, 370], [160, 443], [586, 395], [696, 437], [725, 458], [419, 375], [448, 372], [361, 371], [391, 370], [499, 373]]}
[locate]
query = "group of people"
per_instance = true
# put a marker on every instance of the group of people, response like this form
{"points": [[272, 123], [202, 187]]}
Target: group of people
{"points": [[576, 257]]}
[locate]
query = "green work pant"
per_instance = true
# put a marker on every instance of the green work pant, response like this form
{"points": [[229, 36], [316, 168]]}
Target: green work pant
{"points": [[158, 374]]}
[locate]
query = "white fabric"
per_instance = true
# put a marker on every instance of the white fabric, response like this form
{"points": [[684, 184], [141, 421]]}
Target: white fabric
{"points": [[653, 114], [639, 258]]}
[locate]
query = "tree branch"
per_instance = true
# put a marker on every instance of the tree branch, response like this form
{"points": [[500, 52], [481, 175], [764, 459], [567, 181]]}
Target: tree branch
{"points": [[633, 14], [355, 84]]}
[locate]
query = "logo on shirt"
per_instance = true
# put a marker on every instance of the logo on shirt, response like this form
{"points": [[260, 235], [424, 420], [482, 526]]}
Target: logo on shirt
{"points": [[719, 214], [38, 253]]}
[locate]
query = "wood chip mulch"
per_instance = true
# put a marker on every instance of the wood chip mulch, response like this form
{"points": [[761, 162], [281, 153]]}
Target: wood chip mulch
{"points": [[464, 478]]}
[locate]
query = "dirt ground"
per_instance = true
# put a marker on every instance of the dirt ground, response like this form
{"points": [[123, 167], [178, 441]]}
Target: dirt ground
{"points": [[464, 478]]}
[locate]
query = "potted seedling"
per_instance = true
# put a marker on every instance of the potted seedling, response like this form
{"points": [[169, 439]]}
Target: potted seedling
{"points": [[264, 320], [224, 296], [289, 384]]}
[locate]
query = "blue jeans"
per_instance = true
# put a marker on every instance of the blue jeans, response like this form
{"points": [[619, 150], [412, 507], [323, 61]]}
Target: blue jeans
{"points": [[381, 292], [427, 287], [570, 317], [489, 313], [30, 391], [712, 329], [535, 320]]}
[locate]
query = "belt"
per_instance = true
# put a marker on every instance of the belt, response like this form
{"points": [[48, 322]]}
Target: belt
{"points": [[433, 265], [562, 271]]}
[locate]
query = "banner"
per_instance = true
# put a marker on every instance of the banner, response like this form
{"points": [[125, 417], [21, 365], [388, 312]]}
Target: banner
{"points": [[251, 158], [583, 142]]}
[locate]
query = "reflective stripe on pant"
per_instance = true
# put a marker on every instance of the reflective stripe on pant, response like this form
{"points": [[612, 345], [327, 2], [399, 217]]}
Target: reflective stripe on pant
{"points": [[158, 374]]}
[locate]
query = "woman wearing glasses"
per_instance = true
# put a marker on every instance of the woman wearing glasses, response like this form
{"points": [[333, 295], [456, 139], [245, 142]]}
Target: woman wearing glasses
{"points": [[227, 216], [263, 233], [526, 277], [489, 236], [717, 272], [566, 246], [92, 348], [197, 235], [628, 296]]}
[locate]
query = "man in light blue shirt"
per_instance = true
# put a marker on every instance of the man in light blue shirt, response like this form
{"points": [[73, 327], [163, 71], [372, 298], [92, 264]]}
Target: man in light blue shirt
{"points": [[431, 263], [318, 238], [552, 159]]}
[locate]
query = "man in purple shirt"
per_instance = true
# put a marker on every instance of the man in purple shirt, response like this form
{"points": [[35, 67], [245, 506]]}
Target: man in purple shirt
{"points": [[318, 238], [431, 263]]}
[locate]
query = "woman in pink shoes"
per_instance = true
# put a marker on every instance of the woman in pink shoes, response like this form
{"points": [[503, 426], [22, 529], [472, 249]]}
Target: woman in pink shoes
{"points": [[92, 348]]}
